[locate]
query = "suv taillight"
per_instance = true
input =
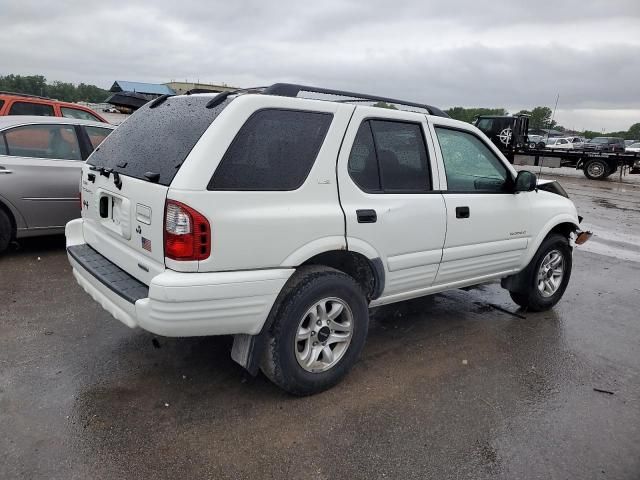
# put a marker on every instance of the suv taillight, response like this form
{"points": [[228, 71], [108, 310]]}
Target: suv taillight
{"points": [[187, 234]]}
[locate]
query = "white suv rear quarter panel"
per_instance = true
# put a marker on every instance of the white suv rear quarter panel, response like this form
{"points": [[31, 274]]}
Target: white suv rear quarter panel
{"points": [[265, 229]]}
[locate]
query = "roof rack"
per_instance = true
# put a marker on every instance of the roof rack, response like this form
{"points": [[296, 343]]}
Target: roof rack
{"points": [[292, 90], [2, 92]]}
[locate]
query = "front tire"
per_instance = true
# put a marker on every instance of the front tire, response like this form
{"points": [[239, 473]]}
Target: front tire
{"points": [[319, 328], [547, 275]]}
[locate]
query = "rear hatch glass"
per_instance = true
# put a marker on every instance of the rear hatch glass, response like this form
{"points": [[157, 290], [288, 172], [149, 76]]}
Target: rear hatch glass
{"points": [[157, 140]]}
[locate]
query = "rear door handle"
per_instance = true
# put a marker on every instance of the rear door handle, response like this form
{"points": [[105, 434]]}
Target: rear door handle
{"points": [[462, 212], [367, 216]]}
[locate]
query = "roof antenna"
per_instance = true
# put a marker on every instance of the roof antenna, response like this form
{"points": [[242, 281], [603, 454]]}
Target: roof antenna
{"points": [[553, 115]]}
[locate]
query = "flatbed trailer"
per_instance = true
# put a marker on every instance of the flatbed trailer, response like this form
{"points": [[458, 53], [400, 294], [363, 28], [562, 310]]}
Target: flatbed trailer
{"points": [[595, 165], [511, 135]]}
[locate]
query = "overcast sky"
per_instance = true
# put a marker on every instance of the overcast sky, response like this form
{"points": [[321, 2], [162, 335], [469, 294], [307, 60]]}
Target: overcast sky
{"points": [[512, 54]]}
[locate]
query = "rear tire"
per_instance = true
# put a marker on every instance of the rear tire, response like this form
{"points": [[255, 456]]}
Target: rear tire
{"points": [[547, 275], [6, 231], [595, 169], [319, 328]]}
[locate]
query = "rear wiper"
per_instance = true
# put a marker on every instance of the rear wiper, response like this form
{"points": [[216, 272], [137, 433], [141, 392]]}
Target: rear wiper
{"points": [[105, 172], [153, 177], [159, 100]]}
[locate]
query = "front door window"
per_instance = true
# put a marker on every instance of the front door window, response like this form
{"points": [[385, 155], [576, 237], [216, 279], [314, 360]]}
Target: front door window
{"points": [[470, 165]]}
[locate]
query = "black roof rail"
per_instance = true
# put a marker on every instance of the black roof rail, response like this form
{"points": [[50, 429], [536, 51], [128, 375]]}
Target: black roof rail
{"points": [[29, 95], [222, 96], [292, 90]]}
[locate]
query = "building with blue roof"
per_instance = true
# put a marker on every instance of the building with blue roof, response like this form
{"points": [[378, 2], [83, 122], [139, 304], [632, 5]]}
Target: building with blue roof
{"points": [[150, 89]]}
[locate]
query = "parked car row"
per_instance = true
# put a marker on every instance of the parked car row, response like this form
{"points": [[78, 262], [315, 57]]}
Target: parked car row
{"points": [[597, 144], [43, 143]]}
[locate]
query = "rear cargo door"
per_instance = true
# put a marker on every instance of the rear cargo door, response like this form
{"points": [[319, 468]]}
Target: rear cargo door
{"points": [[126, 179], [124, 224]]}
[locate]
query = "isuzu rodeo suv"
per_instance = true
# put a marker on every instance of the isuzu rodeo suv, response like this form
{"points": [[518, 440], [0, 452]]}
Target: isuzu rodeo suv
{"points": [[280, 219]]}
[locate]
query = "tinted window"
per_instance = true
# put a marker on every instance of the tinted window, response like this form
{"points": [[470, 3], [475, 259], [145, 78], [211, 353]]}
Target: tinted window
{"points": [[390, 157], [79, 114], [470, 165], [3, 146], [1, 104], [274, 150], [44, 141], [157, 139], [97, 134], [363, 163], [28, 108], [402, 156]]}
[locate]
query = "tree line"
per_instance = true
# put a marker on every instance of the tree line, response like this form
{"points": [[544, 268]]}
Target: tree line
{"points": [[65, 91]]}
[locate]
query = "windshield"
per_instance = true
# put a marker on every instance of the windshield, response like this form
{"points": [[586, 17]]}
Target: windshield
{"points": [[599, 140], [157, 140]]}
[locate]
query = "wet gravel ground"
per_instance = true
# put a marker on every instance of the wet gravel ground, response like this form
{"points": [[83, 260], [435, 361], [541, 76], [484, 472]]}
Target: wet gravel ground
{"points": [[460, 385]]}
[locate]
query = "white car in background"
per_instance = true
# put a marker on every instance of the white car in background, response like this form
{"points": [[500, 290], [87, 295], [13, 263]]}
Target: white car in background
{"points": [[559, 144], [576, 142], [633, 148]]}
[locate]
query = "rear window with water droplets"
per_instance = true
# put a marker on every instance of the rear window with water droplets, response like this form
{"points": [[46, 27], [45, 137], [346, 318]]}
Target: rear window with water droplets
{"points": [[158, 139]]}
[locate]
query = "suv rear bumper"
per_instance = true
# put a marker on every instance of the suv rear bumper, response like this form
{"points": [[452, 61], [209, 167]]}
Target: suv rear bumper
{"points": [[177, 304]]}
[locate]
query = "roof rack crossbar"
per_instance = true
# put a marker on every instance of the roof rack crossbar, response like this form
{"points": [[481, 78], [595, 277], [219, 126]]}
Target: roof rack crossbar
{"points": [[292, 90]]}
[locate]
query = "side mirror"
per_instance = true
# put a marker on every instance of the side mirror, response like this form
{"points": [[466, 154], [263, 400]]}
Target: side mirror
{"points": [[525, 182]]}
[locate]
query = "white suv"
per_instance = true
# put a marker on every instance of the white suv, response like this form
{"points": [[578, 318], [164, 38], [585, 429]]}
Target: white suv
{"points": [[280, 220]]}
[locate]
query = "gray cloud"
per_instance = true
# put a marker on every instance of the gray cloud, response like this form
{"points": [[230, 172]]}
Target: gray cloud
{"points": [[459, 52]]}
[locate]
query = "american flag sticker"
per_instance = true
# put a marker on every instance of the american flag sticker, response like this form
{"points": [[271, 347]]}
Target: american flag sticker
{"points": [[146, 244]]}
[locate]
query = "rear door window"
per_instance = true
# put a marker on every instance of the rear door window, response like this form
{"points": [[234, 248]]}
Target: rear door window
{"points": [[30, 108], [158, 139], [363, 162], [274, 150], [79, 114], [96, 135], [44, 141], [402, 156], [3, 145], [390, 157]]}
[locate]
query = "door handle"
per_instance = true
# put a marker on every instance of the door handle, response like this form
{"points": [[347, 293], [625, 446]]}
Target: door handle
{"points": [[367, 216], [462, 212], [4, 170]]}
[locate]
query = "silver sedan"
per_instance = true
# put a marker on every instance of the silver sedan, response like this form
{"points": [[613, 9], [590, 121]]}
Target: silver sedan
{"points": [[40, 161]]}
